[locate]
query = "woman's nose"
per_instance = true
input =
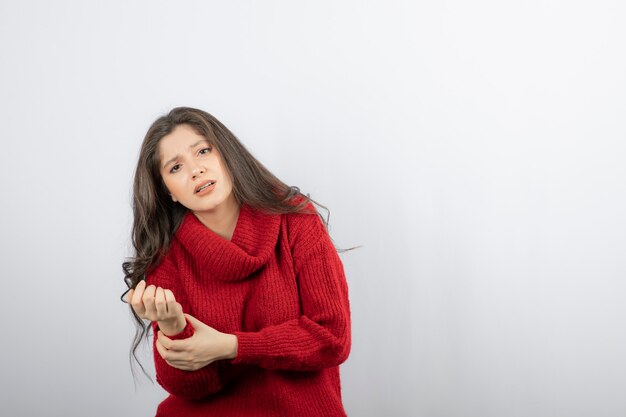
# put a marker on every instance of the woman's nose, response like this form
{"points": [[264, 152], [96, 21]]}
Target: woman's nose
{"points": [[197, 170]]}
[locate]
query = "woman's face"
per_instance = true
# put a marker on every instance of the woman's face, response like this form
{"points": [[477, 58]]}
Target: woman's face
{"points": [[187, 162]]}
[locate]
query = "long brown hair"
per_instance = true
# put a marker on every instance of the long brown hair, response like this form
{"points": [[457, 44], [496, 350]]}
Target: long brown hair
{"points": [[157, 217]]}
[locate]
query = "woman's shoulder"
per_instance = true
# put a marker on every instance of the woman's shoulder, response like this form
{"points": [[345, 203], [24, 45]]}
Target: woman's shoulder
{"points": [[305, 229], [307, 219]]}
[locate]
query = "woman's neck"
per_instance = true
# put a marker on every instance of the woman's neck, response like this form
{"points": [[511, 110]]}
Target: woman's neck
{"points": [[223, 221]]}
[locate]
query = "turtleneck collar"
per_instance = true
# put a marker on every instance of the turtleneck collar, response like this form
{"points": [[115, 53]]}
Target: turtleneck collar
{"points": [[252, 244]]}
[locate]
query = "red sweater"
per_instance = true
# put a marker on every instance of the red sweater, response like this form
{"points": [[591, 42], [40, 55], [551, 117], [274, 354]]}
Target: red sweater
{"points": [[279, 286]]}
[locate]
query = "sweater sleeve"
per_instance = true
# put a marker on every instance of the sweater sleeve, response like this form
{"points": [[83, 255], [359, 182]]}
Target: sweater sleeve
{"points": [[185, 384], [321, 336]]}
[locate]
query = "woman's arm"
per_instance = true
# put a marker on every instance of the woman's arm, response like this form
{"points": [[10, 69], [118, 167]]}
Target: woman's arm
{"points": [[195, 351], [321, 337], [185, 384], [198, 384]]}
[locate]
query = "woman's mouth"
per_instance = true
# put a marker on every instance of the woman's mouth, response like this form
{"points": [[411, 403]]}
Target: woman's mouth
{"points": [[206, 187]]}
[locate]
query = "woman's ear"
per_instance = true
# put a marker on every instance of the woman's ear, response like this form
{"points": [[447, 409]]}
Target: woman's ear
{"points": [[173, 198]]}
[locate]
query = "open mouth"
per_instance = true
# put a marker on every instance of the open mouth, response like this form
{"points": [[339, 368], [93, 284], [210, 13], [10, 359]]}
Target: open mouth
{"points": [[204, 186]]}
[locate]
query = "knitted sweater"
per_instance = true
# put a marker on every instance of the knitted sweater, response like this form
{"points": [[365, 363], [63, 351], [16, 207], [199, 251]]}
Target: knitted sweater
{"points": [[279, 286]]}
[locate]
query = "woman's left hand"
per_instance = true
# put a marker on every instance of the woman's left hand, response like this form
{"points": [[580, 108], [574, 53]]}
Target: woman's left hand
{"points": [[205, 346]]}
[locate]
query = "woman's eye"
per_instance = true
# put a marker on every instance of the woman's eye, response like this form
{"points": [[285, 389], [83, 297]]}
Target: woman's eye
{"points": [[201, 151]]}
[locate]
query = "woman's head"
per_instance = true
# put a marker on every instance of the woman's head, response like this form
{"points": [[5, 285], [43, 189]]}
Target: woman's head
{"points": [[193, 171], [167, 167]]}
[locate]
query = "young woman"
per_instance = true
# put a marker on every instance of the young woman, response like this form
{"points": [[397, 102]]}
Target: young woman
{"points": [[237, 273]]}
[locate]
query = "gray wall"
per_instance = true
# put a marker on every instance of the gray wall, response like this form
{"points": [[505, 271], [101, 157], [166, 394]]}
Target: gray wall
{"points": [[476, 150]]}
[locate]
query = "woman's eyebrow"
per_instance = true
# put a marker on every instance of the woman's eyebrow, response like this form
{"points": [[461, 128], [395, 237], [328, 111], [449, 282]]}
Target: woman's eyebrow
{"points": [[190, 147]]}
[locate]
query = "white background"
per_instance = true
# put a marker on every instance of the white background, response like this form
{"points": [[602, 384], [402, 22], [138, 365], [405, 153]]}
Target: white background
{"points": [[475, 148]]}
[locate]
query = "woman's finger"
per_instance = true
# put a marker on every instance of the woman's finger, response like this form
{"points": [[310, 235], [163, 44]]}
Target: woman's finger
{"points": [[148, 301], [171, 345], [172, 305], [136, 301], [170, 356], [160, 304], [161, 349], [173, 358], [169, 295]]}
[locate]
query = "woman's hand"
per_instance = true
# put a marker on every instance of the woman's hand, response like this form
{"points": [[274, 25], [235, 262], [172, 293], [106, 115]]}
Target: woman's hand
{"points": [[157, 304], [205, 346]]}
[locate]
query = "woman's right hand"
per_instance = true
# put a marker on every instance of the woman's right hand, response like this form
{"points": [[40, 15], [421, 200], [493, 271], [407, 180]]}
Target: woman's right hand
{"points": [[157, 304]]}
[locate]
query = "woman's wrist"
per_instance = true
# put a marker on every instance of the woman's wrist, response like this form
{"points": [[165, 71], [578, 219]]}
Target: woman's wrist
{"points": [[172, 328], [232, 346]]}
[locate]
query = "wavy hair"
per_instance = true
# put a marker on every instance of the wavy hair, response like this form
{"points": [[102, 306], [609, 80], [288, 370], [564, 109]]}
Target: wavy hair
{"points": [[156, 217]]}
